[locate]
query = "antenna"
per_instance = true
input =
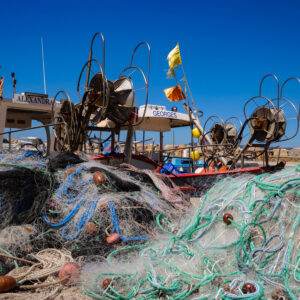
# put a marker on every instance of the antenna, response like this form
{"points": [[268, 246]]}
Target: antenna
{"points": [[42, 44]]}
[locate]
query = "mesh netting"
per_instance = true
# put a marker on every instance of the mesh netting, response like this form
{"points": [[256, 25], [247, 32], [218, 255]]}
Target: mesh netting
{"points": [[135, 236]]}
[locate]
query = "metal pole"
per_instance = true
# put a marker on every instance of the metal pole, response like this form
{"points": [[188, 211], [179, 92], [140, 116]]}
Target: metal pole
{"points": [[112, 148], [100, 138], [173, 138], [36, 127], [143, 141], [9, 140], [43, 65]]}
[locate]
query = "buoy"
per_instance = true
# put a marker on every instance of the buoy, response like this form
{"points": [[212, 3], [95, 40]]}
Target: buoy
{"points": [[278, 293], [70, 171], [226, 218], [106, 283], [71, 271], [211, 170], [223, 169], [113, 238], [196, 133], [91, 228], [195, 155], [248, 288], [98, 178], [7, 283], [190, 287]]}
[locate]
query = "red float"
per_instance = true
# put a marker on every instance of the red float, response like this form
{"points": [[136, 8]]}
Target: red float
{"points": [[98, 178], [70, 271], [226, 218], [92, 228], [248, 288], [113, 238], [106, 283]]}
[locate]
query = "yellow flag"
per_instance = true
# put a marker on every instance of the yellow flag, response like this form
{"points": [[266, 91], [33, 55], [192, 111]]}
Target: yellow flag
{"points": [[174, 93], [174, 60]]}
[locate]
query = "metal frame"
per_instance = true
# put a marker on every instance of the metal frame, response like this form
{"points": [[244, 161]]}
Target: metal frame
{"points": [[146, 78], [91, 57], [278, 85]]}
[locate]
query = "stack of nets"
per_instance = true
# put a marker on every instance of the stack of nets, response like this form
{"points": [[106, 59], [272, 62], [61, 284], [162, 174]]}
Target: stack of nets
{"points": [[72, 204], [134, 235], [242, 242]]}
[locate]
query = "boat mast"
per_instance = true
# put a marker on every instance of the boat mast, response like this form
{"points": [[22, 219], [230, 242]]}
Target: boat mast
{"points": [[42, 45]]}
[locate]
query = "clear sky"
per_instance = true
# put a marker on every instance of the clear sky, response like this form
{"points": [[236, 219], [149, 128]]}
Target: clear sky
{"points": [[226, 46]]}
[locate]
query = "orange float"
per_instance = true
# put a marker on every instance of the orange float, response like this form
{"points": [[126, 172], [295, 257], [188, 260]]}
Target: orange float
{"points": [[98, 178], [223, 169], [70, 271], [113, 238], [7, 283]]}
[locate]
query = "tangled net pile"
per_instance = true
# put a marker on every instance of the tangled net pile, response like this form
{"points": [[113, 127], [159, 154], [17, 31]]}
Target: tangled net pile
{"points": [[76, 205], [122, 227], [241, 243]]}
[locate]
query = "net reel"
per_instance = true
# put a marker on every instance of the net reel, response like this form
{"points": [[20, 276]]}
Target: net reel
{"points": [[223, 136], [102, 99], [63, 122], [214, 131], [268, 121]]}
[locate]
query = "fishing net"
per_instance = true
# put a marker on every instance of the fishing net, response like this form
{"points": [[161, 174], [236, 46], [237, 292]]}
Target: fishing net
{"points": [[24, 187], [242, 242], [135, 236], [62, 204]]}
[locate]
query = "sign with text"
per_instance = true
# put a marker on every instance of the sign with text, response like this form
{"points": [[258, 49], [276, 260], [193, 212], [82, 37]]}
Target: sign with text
{"points": [[164, 114], [31, 98]]}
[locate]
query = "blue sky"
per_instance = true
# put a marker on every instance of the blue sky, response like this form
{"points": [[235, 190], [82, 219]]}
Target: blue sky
{"points": [[226, 46]]}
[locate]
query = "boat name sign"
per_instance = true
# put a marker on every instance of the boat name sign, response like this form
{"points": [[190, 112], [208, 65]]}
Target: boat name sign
{"points": [[164, 114], [32, 99]]}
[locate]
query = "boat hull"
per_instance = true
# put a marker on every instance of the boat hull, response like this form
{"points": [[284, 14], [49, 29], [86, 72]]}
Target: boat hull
{"points": [[196, 184], [115, 159]]}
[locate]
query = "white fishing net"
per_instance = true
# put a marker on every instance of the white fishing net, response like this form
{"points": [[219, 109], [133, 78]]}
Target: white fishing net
{"points": [[135, 236]]}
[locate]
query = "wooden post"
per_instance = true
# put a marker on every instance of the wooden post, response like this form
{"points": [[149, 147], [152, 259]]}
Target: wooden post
{"points": [[128, 144], [161, 146]]}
